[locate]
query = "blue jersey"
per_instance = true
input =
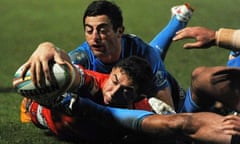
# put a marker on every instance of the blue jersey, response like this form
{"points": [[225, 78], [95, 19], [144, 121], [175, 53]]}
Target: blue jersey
{"points": [[131, 45]]}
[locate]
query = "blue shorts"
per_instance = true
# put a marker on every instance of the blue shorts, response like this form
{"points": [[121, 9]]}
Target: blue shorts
{"points": [[234, 62]]}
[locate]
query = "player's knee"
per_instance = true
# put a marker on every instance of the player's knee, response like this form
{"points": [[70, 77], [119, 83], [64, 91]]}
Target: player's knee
{"points": [[200, 87], [200, 79], [198, 73]]}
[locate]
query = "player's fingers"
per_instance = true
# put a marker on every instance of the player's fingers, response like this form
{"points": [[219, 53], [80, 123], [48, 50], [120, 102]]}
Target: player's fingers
{"points": [[189, 45], [59, 60], [33, 74], [178, 37], [57, 57], [46, 70], [179, 31], [183, 34], [231, 125], [25, 68], [183, 31], [192, 45], [231, 130], [234, 117], [40, 79]]}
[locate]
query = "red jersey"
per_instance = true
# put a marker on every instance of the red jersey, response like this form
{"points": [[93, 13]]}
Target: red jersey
{"points": [[68, 126]]}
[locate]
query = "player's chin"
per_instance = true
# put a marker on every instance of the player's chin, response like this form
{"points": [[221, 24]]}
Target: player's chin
{"points": [[106, 100], [98, 53]]}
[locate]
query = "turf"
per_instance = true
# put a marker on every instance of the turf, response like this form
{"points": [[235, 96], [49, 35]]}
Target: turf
{"points": [[24, 24]]}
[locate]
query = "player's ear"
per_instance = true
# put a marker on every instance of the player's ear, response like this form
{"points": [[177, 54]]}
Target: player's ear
{"points": [[120, 31]]}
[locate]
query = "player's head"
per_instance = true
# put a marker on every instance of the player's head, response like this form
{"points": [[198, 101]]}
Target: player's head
{"points": [[103, 28], [103, 7], [129, 80], [139, 72]]}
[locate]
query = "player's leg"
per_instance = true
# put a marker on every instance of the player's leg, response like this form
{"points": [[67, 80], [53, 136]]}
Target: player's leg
{"points": [[180, 17], [219, 83], [24, 113], [41, 117]]}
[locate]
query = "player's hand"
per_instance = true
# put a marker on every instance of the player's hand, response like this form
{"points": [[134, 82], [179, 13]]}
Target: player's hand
{"points": [[231, 125], [204, 38], [38, 63]]}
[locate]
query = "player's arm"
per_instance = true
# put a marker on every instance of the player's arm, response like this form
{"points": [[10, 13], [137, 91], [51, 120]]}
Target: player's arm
{"points": [[161, 87], [205, 38], [194, 126]]}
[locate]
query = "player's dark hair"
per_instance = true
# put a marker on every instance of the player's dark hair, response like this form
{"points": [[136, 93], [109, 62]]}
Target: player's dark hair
{"points": [[103, 7], [140, 71]]}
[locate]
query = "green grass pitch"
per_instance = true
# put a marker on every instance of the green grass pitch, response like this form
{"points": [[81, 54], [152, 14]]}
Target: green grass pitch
{"points": [[25, 23]]}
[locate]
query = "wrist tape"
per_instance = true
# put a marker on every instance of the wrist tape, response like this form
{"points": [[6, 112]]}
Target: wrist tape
{"points": [[228, 38]]}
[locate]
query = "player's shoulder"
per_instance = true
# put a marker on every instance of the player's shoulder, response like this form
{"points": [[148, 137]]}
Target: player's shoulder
{"points": [[132, 40], [81, 55], [83, 47], [131, 37]]}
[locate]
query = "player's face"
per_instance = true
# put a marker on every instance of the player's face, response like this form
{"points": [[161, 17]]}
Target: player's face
{"points": [[105, 43], [118, 89]]}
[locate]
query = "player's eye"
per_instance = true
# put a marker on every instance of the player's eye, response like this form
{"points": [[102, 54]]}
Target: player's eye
{"points": [[102, 31], [88, 30], [114, 79]]}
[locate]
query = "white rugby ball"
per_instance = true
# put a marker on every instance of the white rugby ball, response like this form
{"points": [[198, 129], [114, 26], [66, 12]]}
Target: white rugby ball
{"points": [[63, 76]]}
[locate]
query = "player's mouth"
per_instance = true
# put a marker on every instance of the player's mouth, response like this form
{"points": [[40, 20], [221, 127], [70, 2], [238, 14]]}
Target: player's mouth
{"points": [[97, 47]]}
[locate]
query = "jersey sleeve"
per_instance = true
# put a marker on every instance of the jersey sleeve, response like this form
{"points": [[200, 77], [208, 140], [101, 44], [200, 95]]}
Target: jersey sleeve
{"points": [[158, 67], [81, 56], [91, 80]]}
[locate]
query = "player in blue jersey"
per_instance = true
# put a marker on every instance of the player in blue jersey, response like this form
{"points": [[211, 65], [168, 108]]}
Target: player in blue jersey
{"points": [[201, 127], [219, 83], [106, 44]]}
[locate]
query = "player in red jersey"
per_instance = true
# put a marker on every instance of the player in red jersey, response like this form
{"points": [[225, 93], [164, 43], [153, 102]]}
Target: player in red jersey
{"points": [[128, 83]]}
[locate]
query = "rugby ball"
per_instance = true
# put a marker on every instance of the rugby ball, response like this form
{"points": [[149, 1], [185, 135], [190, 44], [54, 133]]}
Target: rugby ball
{"points": [[63, 76]]}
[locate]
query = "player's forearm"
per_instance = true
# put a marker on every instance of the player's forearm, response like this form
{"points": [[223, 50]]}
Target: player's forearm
{"points": [[228, 38], [164, 125], [188, 126]]}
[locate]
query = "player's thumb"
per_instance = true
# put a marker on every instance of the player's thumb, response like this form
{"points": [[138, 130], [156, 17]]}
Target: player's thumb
{"points": [[60, 57], [190, 45]]}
